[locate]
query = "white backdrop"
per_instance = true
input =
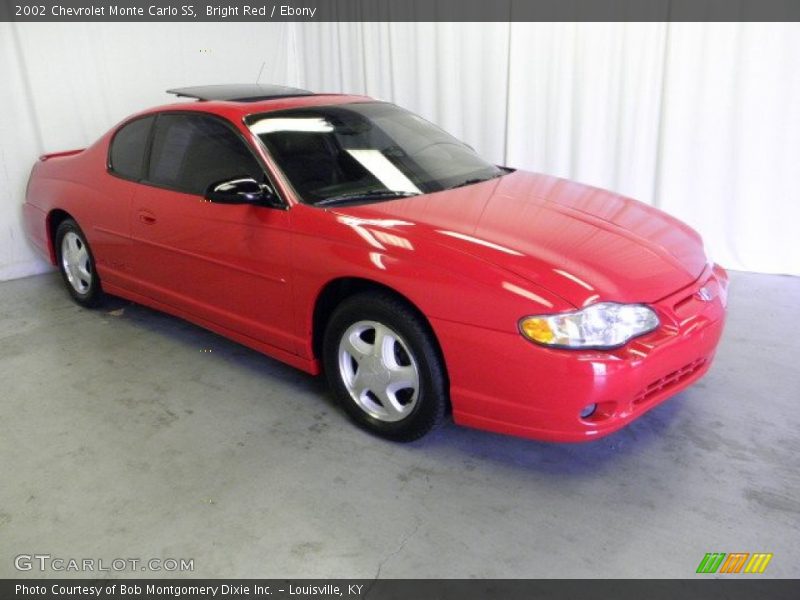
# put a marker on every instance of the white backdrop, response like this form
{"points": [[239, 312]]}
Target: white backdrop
{"points": [[700, 119]]}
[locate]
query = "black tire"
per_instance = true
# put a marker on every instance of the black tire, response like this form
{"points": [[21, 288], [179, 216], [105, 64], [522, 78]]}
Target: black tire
{"points": [[84, 284], [413, 349]]}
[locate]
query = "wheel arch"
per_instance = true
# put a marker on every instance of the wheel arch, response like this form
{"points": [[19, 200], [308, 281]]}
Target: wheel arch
{"points": [[340, 289], [54, 218]]}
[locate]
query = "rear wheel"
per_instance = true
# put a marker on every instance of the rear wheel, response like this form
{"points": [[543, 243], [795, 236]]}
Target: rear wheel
{"points": [[384, 368], [76, 263]]}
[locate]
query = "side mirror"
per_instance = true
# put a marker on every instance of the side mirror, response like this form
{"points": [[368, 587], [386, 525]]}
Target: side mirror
{"points": [[241, 191]]}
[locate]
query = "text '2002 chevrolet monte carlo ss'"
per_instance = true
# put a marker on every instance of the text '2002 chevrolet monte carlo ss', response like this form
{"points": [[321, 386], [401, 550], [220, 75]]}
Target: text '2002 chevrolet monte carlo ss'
{"points": [[348, 236]]}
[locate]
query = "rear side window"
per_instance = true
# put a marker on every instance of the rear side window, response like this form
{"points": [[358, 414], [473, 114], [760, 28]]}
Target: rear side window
{"points": [[126, 158], [191, 152]]}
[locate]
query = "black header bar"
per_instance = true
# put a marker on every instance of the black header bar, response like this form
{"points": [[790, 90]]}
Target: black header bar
{"points": [[399, 10]]}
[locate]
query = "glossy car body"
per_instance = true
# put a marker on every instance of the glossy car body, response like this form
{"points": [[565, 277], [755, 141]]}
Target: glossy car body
{"points": [[473, 261]]}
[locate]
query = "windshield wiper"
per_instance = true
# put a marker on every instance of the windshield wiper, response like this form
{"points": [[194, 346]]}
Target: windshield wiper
{"points": [[475, 180], [366, 195]]}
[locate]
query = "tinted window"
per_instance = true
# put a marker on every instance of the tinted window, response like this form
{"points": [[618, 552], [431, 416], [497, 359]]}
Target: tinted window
{"points": [[366, 151], [128, 148], [190, 152]]}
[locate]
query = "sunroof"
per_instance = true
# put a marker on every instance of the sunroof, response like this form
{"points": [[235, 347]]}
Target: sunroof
{"points": [[239, 92]]}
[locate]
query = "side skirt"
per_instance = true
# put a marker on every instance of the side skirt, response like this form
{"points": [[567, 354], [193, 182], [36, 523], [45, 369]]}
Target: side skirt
{"points": [[310, 366]]}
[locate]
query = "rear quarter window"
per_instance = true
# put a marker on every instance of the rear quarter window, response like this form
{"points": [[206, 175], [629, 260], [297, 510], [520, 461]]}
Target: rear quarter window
{"points": [[127, 153]]}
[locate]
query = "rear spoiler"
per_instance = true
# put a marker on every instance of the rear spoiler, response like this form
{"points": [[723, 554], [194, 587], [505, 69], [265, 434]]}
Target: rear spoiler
{"points": [[44, 157]]}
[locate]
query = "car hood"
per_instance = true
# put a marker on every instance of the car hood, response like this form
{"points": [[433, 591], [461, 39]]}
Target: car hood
{"points": [[582, 243]]}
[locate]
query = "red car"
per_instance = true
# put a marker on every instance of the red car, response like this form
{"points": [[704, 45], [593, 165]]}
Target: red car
{"points": [[349, 236]]}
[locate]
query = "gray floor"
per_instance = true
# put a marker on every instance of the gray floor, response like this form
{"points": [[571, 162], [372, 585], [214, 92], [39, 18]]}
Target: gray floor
{"points": [[129, 434]]}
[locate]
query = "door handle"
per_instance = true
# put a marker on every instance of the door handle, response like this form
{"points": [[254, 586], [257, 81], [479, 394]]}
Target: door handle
{"points": [[147, 217]]}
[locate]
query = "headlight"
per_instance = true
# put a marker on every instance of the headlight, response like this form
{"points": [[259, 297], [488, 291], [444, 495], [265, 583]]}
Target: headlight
{"points": [[600, 326]]}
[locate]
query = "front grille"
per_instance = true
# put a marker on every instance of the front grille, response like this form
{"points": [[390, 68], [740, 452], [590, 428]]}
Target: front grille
{"points": [[669, 381]]}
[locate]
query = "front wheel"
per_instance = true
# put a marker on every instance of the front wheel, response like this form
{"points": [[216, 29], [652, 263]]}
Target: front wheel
{"points": [[384, 368], [76, 263]]}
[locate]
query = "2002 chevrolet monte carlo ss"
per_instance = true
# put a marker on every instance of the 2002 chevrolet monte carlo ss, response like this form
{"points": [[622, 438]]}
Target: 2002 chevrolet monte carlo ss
{"points": [[345, 235]]}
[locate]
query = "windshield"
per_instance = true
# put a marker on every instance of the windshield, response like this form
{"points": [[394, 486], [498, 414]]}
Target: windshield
{"points": [[366, 152]]}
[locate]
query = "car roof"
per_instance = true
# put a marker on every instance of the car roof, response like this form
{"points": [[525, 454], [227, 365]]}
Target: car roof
{"points": [[236, 101], [239, 92]]}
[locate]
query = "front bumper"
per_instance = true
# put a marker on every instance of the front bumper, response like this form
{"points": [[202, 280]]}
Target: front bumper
{"points": [[504, 383]]}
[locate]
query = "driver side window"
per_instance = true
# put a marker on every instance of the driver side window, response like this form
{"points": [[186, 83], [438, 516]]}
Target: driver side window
{"points": [[191, 152]]}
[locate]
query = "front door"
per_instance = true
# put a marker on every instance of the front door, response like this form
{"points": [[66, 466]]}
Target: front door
{"points": [[225, 264]]}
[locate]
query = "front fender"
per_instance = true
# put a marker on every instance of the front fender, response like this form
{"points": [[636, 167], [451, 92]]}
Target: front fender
{"points": [[443, 283]]}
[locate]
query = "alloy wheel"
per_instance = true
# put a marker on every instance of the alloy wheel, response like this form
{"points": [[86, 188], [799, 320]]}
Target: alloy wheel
{"points": [[76, 262], [379, 371]]}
